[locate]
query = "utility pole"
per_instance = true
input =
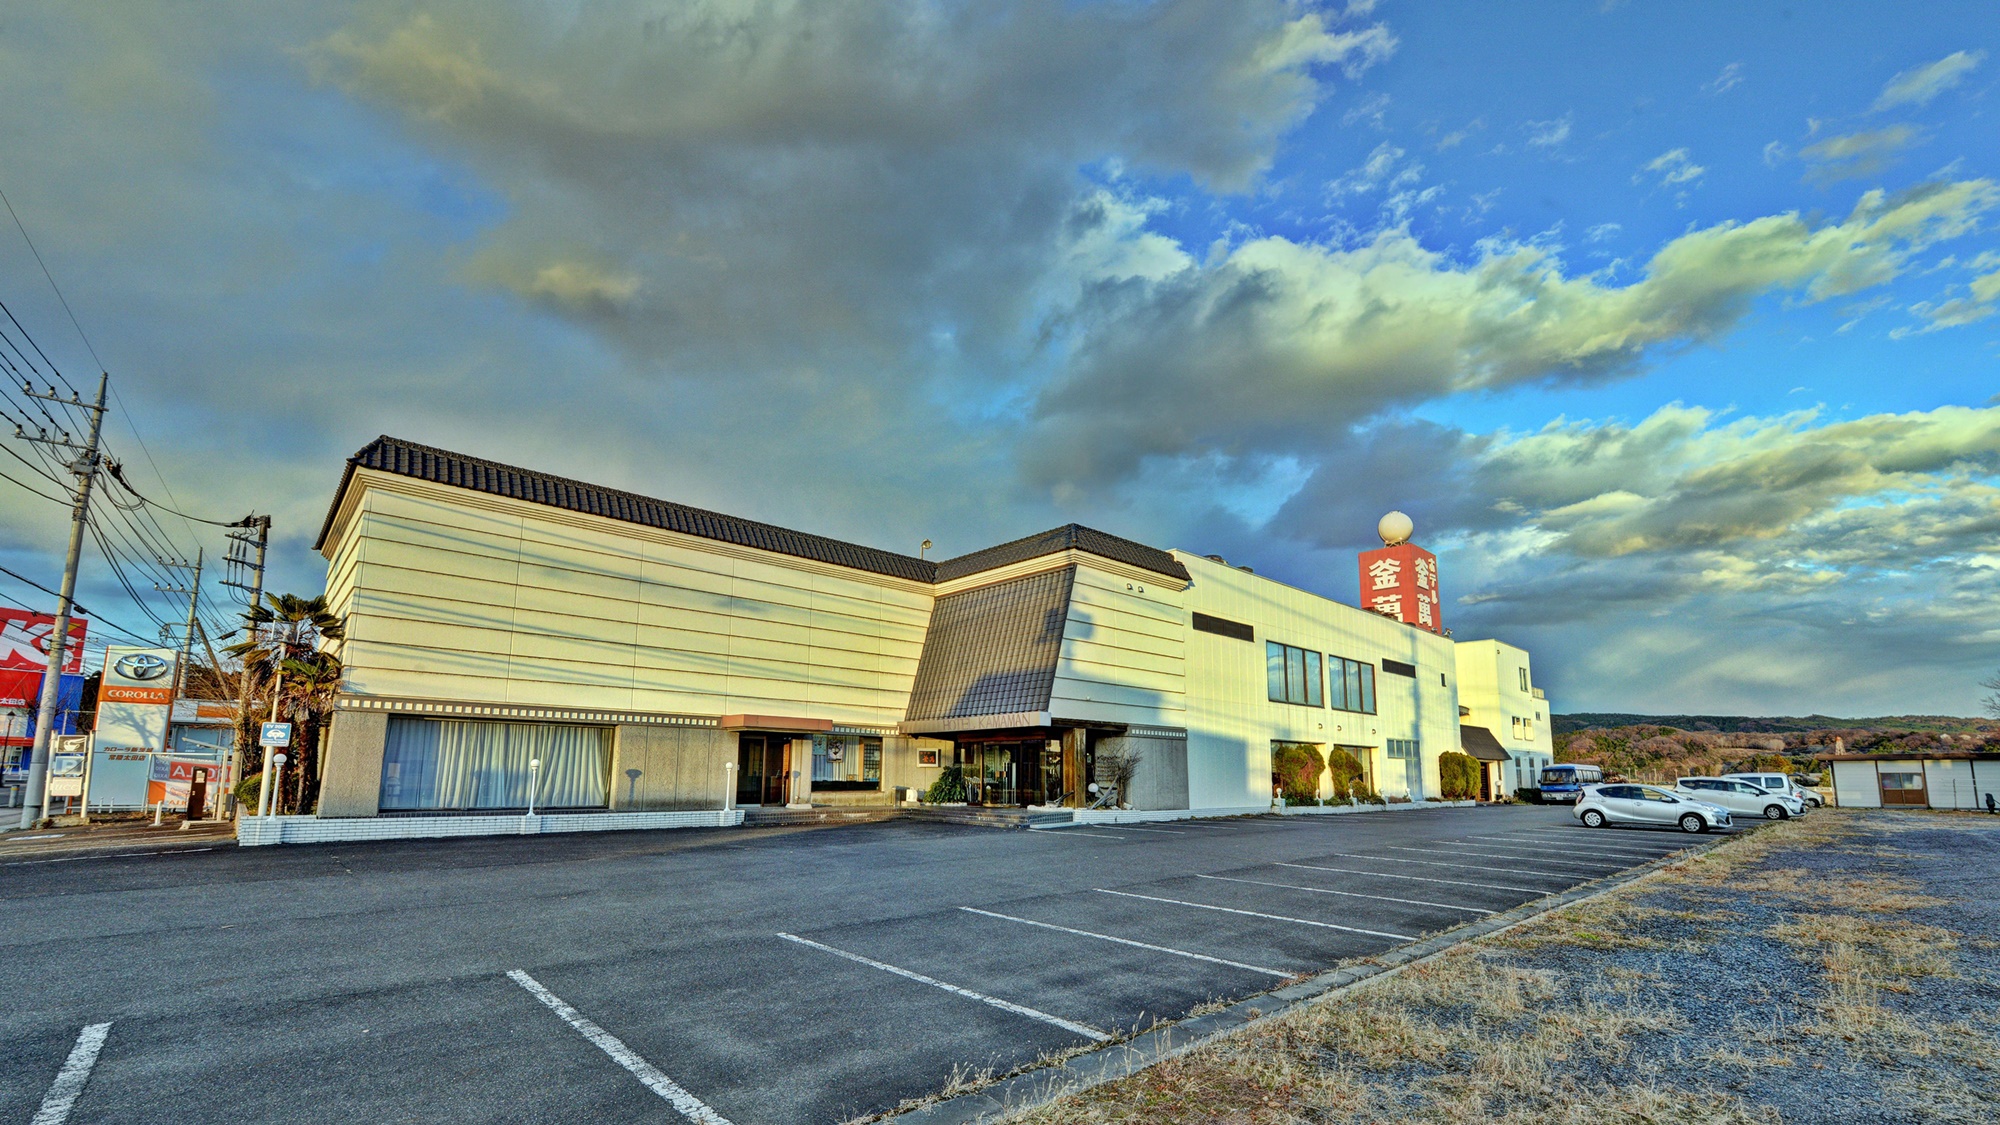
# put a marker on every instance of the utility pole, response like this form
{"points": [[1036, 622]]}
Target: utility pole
{"points": [[255, 588], [84, 466], [193, 591]]}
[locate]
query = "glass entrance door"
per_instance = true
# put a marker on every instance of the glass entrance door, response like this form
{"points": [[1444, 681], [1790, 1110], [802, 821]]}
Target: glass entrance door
{"points": [[763, 765], [1009, 773]]}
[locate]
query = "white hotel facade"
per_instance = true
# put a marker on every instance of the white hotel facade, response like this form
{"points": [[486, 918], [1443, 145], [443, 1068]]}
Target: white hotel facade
{"points": [[649, 656]]}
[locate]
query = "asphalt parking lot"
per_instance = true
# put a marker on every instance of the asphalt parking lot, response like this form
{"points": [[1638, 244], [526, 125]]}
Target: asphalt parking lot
{"points": [[748, 976]]}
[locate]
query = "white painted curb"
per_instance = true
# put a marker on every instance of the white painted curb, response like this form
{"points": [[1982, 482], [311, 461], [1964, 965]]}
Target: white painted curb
{"points": [[260, 831]]}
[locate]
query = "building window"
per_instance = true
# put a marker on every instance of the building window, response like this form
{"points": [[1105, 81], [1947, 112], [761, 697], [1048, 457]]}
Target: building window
{"points": [[846, 761], [1404, 750], [1524, 678], [447, 764], [1517, 726], [1293, 675], [1353, 685]]}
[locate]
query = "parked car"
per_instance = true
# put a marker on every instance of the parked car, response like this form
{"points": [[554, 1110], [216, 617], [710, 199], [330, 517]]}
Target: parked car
{"points": [[1741, 797], [1603, 805], [1779, 783]]}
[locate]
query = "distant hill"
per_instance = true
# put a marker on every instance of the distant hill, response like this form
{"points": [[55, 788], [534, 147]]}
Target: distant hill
{"points": [[1784, 724]]}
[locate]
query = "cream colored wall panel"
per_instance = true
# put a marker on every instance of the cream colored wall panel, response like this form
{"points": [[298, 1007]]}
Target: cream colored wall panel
{"points": [[666, 605], [553, 574], [419, 635], [672, 701], [691, 638], [427, 683], [421, 597], [498, 564], [532, 648], [429, 541], [685, 570], [569, 693], [1119, 660], [479, 521]]}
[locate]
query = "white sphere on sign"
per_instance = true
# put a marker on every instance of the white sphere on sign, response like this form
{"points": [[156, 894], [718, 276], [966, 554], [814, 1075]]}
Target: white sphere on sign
{"points": [[1395, 528]]}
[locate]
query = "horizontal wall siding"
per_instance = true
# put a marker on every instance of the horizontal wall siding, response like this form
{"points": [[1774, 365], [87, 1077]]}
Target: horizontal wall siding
{"points": [[1122, 652], [457, 601]]}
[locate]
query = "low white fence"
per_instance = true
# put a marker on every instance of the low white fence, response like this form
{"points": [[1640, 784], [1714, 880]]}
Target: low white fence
{"points": [[1143, 816]]}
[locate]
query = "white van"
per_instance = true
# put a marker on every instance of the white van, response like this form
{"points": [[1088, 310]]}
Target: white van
{"points": [[1778, 783], [1741, 797]]}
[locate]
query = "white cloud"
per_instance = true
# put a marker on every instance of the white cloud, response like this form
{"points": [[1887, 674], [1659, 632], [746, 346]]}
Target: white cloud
{"points": [[1775, 154], [1919, 84], [1730, 78], [1277, 344], [1549, 134], [1673, 168], [1858, 155]]}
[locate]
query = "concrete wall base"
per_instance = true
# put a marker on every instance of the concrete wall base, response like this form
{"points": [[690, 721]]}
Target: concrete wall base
{"points": [[1142, 816], [259, 831]]}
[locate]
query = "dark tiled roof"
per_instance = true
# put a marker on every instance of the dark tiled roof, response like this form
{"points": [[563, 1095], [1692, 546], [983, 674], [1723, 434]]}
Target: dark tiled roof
{"points": [[1070, 536], [1480, 743], [992, 650], [407, 458], [404, 458]]}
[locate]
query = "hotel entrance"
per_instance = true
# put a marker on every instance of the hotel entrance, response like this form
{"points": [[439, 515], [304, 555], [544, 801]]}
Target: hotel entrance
{"points": [[763, 768], [1012, 772]]}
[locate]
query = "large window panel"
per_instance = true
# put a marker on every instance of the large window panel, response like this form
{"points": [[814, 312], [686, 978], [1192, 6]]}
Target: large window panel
{"points": [[1293, 675], [448, 764]]}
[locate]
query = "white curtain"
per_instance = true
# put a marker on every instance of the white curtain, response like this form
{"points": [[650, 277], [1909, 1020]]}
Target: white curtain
{"points": [[447, 764]]}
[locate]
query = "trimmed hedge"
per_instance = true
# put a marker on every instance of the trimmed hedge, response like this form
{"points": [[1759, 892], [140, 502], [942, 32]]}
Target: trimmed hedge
{"points": [[1297, 767], [948, 789], [1458, 776]]}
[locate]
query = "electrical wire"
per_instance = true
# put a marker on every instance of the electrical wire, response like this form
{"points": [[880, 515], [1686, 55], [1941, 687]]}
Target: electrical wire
{"points": [[52, 285]]}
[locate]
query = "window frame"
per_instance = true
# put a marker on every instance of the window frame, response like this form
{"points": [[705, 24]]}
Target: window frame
{"points": [[1290, 667]]}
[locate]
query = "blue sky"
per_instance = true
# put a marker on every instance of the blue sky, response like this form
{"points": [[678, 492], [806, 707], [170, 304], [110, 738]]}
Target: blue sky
{"points": [[1672, 326]]}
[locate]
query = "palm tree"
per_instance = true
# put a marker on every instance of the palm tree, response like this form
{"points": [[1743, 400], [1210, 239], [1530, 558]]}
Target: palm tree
{"points": [[283, 653]]}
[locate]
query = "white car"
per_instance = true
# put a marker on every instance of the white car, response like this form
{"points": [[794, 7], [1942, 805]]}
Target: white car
{"points": [[1604, 805], [1779, 783], [1741, 797]]}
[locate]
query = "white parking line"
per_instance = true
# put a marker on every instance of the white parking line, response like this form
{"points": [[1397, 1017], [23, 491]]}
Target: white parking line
{"points": [[1199, 824], [1539, 850], [113, 855], [1595, 845], [1130, 942], [75, 1071], [1501, 855], [1346, 894], [1159, 831], [1439, 863], [1416, 878], [1075, 832], [1257, 914], [690, 1107], [1003, 1005]]}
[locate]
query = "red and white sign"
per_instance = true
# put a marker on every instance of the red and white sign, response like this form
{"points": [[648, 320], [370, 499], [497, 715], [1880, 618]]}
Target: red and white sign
{"points": [[24, 653], [1402, 582]]}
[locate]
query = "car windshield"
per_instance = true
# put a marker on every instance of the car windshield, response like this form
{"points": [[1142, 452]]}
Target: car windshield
{"points": [[1558, 777]]}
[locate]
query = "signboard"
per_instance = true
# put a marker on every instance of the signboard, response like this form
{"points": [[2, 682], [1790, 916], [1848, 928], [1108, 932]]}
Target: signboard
{"points": [[219, 711], [25, 638], [132, 701], [277, 735], [169, 778], [24, 654], [66, 774], [1402, 582]]}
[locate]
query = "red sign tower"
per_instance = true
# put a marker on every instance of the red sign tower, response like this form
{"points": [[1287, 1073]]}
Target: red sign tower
{"points": [[1400, 579]]}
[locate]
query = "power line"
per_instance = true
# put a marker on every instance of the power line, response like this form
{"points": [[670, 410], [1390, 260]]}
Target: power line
{"points": [[118, 474], [52, 284], [33, 489], [81, 612]]}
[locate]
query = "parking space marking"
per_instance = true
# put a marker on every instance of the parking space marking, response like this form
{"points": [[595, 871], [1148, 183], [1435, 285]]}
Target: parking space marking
{"points": [[1135, 944], [70, 1080], [1257, 914], [1348, 894], [1004, 1005], [1441, 863], [1158, 831], [1516, 858], [1418, 878], [113, 855], [690, 1107], [1075, 832], [1199, 824], [1535, 851], [1595, 845]]}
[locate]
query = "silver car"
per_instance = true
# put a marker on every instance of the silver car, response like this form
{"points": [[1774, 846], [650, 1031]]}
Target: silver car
{"points": [[1603, 805], [1741, 797]]}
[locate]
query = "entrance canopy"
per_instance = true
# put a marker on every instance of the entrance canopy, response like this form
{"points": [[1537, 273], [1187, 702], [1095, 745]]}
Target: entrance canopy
{"points": [[1480, 743]]}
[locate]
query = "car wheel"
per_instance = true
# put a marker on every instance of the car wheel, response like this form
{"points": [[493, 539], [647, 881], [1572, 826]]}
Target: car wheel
{"points": [[1692, 822], [1593, 819], [1774, 812]]}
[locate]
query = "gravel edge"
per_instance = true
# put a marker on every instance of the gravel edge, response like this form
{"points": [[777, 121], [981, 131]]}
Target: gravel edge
{"points": [[1037, 1088]]}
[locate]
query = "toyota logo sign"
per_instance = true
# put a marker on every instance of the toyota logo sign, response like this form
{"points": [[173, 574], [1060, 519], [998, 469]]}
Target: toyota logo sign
{"points": [[141, 666]]}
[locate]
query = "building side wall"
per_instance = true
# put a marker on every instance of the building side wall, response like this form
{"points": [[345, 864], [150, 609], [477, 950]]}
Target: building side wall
{"points": [[484, 602], [351, 764], [1123, 656], [1490, 689], [1231, 720], [1856, 786], [656, 768], [1161, 780]]}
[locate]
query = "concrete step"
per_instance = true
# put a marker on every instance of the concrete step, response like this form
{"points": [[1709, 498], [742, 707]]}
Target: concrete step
{"points": [[990, 817], [771, 818]]}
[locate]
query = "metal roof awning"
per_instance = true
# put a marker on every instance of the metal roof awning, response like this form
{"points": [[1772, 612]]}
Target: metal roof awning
{"points": [[1480, 743]]}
